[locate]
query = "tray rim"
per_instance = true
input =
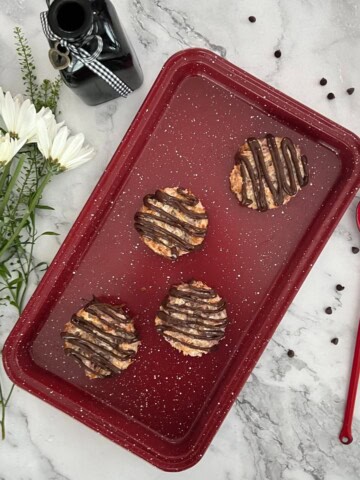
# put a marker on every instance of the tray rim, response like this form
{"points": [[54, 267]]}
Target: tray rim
{"points": [[120, 160]]}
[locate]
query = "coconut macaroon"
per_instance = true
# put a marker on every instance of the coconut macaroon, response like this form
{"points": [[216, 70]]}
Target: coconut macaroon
{"points": [[192, 318], [101, 338], [268, 172], [172, 222]]}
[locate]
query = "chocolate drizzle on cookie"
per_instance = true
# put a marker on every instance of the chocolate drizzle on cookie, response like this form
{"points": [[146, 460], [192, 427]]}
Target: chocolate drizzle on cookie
{"points": [[291, 171], [101, 338], [172, 221], [192, 318]]}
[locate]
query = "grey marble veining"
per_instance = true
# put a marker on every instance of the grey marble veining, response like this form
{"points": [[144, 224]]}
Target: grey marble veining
{"points": [[285, 423]]}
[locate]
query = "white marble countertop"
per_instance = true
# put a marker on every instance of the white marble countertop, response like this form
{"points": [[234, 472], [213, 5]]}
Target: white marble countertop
{"points": [[286, 420]]}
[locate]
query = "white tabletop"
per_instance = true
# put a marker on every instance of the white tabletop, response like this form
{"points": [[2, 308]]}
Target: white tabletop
{"points": [[285, 422]]}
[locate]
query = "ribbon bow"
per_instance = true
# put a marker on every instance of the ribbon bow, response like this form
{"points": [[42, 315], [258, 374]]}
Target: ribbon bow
{"points": [[89, 60]]}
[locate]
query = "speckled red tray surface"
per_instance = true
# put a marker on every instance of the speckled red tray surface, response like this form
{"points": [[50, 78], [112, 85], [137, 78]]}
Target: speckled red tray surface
{"points": [[166, 407]]}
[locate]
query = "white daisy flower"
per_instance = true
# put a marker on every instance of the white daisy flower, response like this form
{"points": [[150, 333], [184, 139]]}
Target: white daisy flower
{"points": [[9, 147], [61, 150], [19, 116]]}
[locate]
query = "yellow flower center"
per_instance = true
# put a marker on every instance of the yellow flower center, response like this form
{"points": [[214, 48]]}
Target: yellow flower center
{"points": [[57, 165]]}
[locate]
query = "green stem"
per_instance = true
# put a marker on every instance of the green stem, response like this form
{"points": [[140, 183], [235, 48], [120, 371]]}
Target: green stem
{"points": [[20, 194], [21, 294], [4, 176], [4, 404], [3, 422], [9, 396], [13, 296], [32, 206], [27, 69], [11, 184], [29, 264]]}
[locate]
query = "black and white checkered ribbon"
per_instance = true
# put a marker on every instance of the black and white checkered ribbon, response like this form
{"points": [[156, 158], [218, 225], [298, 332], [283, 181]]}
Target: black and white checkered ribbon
{"points": [[89, 60]]}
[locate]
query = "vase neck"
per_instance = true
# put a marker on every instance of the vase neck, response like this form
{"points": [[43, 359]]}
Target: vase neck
{"points": [[70, 19]]}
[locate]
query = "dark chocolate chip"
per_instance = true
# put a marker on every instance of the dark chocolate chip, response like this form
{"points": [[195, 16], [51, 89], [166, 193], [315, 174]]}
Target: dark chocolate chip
{"points": [[252, 19], [339, 287], [277, 53], [355, 250], [330, 96], [335, 341], [290, 353], [350, 91], [323, 81], [328, 310]]}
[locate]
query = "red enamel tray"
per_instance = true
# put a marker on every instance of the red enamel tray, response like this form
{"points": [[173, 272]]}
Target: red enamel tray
{"points": [[166, 408]]}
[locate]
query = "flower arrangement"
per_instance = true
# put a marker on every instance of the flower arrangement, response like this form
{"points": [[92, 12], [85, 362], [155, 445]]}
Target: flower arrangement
{"points": [[33, 148]]}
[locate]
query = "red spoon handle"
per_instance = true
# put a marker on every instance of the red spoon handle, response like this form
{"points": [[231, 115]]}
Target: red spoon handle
{"points": [[345, 434]]}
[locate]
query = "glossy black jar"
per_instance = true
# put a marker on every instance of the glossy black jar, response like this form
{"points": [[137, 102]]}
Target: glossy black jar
{"points": [[73, 20]]}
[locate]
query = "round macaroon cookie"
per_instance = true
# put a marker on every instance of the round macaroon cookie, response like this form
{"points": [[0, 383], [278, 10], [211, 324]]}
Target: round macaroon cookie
{"points": [[192, 318], [101, 338], [172, 222], [268, 172]]}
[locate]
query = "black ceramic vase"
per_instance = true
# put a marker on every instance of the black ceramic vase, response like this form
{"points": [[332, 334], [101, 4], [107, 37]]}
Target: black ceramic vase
{"points": [[79, 22]]}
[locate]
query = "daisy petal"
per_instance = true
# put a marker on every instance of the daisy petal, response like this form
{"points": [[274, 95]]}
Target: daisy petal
{"points": [[9, 112], [8, 148], [59, 144], [73, 147], [26, 121], [43, 140], [85, 156]]}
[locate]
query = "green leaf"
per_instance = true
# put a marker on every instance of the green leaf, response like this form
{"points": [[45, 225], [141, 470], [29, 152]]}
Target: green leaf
{"points": [[14, 282], [41, 264], [49, 233], [45, 207], [4, 270]]}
